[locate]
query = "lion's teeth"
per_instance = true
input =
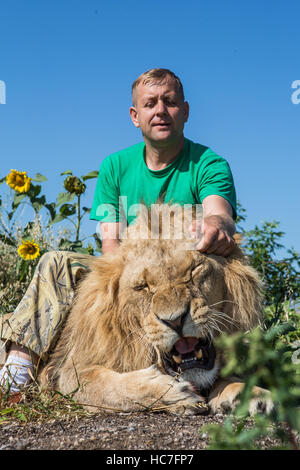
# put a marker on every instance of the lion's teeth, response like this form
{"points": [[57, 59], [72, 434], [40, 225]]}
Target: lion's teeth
{"points": [[199, 354], [177, 359]]}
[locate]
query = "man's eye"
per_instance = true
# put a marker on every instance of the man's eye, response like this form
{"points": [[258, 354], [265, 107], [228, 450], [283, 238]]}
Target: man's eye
{"points": [[170, 102], [149, 104]]}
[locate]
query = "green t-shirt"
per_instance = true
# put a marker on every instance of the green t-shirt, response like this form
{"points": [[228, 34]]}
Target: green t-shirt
{"points": [[125, 180]]}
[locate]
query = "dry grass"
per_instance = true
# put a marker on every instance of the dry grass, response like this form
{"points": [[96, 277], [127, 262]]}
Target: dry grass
{"points": [[35, 405]]}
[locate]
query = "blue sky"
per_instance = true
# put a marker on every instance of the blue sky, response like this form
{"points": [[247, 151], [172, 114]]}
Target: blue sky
{"points": [[68, 67]]}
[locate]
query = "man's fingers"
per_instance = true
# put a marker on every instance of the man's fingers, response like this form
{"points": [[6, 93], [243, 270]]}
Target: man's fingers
{"points": [[209, 239], [222, 245], [225, 249]]}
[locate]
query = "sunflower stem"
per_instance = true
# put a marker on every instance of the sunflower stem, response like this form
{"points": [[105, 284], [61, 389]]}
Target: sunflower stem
{"points": [[37, 218], [78, 218]]}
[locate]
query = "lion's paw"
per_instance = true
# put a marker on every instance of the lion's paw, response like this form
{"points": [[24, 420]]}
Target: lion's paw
{"points": [[229, 399], [175, 395], [262, 403]]}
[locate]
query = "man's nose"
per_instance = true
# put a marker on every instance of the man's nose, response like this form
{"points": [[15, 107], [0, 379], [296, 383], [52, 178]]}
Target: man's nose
{"points": [[161, 107]]}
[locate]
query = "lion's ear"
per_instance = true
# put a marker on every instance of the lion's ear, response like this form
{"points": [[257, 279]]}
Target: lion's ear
{"points": [[244, 293]]}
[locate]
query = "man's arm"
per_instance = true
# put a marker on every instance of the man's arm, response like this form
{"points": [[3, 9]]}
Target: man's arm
{"points": [[110, 232], [217, 227]]}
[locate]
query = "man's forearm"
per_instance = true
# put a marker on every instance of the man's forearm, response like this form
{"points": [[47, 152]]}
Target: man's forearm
{"points": [[109, 245], [110, 235]]}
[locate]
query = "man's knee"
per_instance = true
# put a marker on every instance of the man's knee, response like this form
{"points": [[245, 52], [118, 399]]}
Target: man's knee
{"points": [[53, 254], [53, 258]]}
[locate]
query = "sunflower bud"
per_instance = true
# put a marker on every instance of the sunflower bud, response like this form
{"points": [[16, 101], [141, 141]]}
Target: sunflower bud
{"points": [[74, 185]]}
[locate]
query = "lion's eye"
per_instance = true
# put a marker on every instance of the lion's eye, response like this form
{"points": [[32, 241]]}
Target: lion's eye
{"points": [[141, 286], [196, 271]]}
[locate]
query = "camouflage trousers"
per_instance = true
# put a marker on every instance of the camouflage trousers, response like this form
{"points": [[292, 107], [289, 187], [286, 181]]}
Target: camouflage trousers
{"points": [[38, 319]]}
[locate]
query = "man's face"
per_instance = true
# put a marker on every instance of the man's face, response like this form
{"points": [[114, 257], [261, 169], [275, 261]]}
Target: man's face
{"points": [[160, 112]]}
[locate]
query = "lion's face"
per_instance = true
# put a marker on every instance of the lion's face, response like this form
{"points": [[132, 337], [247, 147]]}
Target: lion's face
{"points": [[178, 297]]}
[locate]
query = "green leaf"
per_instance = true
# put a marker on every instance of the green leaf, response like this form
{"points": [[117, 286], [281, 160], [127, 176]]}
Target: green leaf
{"points": [[2, 180], [90, 175], [6, 411], [278, 330], [51, 209], [21, 416], [67, 209], [18, 197], [38, 203], [40, 178], [67, 172], [64, 197], [98, 242], [71, 245], [34, 191], [56, 219]]}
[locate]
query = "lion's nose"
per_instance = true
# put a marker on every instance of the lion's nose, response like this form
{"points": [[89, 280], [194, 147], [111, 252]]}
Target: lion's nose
{"points": [[177, 323]]}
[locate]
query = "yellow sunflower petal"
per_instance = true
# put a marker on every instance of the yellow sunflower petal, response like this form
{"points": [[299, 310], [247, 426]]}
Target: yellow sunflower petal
{"points": [[29, 250], [19, 181]]}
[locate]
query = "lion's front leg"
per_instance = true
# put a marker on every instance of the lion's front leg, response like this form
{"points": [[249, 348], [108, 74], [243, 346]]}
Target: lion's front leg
{"points": [[225, 393], [135, 391]]}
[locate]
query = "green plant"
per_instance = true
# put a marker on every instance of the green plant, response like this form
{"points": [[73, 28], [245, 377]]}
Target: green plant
{"points": [[75, 188], [28, 229], [267, 356]]}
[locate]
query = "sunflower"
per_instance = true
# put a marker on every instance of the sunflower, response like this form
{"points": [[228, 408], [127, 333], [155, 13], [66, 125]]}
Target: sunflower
{"points": [[29, 250], [74, 185], [18, 180]]}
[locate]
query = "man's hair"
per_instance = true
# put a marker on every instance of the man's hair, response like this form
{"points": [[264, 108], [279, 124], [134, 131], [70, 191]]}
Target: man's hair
{"points": [[156, 76]]}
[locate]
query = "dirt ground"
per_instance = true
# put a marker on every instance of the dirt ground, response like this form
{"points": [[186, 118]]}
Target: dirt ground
{"points": [[106, 431], [136, 431]]}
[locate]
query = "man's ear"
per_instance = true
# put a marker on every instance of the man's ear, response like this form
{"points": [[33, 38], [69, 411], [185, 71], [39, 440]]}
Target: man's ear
{"points": [[134, 116], [186, 111]]}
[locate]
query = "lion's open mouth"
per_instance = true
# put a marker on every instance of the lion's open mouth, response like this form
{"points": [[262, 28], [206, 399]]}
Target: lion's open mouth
{"points": [[188, 353]]}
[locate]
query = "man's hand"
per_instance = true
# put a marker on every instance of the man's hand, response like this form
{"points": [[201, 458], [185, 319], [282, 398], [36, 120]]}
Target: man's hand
{"points": [[216, 229], [215, 237]]}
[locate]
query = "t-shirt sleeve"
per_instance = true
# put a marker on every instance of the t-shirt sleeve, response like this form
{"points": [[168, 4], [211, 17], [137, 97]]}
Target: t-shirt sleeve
{"points": [[216, 179], [105, 206]]}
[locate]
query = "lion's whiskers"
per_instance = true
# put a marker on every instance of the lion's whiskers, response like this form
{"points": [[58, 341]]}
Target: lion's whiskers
{"points": [[221, 302], [222, 320], [216, 321]]}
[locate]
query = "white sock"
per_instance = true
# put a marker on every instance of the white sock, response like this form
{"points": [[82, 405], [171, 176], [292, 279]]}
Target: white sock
{"points": [[14, 373]]}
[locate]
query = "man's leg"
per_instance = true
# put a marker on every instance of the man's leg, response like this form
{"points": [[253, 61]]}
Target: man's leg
{"points": [[32, 330]]}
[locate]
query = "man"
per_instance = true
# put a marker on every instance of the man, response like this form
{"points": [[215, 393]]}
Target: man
{"points": [[160, 111], [165, 164]]}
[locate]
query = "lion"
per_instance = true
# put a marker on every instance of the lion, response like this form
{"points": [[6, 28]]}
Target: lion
{"points": [[141, 332]]}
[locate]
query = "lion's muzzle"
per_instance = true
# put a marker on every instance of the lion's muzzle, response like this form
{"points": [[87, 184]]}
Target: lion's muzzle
{"points": [[188, 353]]}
